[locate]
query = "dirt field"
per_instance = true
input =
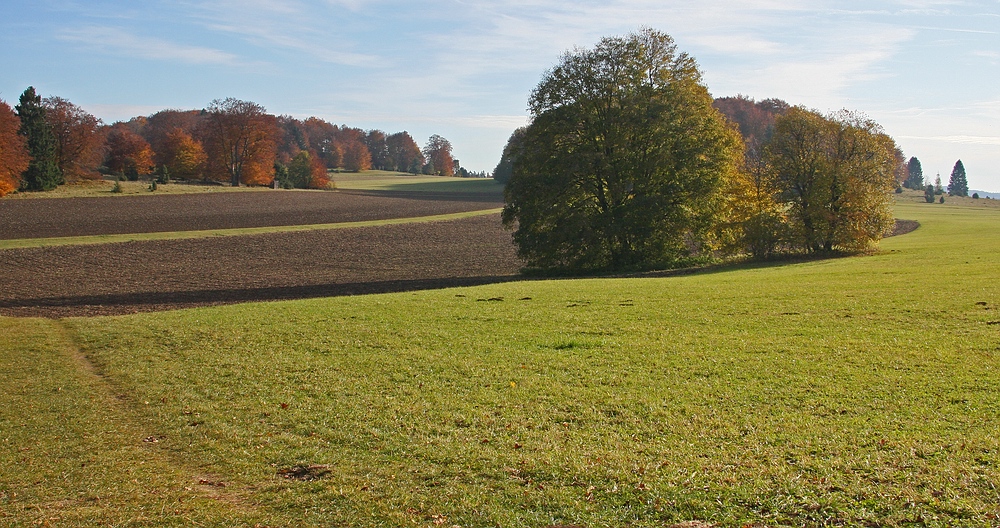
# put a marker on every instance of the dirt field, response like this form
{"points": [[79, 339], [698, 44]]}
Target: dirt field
{"points": [[131, 277], [185, 212]]}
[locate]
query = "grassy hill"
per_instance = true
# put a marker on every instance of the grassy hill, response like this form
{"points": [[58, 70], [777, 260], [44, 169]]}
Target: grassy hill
{"points": [[859, 391]]}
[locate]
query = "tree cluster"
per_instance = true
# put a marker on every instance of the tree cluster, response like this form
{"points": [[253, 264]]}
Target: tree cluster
{"points": [[628, 163], [46, 142]]}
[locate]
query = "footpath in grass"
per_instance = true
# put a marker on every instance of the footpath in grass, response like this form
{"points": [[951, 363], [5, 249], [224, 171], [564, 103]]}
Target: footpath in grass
{"points": [[73, 452], [850, 392]]}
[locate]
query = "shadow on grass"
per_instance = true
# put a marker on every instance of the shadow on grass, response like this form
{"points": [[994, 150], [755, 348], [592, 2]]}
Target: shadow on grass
{"points": [[134, 302]]}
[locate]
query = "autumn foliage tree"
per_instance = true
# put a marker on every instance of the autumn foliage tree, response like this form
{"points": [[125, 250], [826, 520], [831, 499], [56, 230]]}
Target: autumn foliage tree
{"points": [[240, 141], [356, 156], [182, 155], [835, 173], [403, 153], [78, 140], [14, 157], [438, 153], [128, 153], [307, 171]]}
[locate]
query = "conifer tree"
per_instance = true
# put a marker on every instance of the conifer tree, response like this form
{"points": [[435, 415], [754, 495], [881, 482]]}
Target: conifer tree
{"points": [[43, 172], [958, 185], [915, 175]]}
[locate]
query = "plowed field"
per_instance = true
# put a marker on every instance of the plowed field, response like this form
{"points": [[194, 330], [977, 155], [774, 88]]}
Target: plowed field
{"points": [[189, 212], [131, 277], [127, 277]]}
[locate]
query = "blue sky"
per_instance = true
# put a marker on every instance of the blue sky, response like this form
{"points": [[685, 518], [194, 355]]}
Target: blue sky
{"points": [[928, 71]]}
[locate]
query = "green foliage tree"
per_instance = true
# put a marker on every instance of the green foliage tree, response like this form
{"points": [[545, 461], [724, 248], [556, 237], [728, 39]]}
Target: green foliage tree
{"points": [[505, 168], [624, 161], [929, 194], [836, 173], [300, 170], [915, 175], [43, 172], [958, 185]]}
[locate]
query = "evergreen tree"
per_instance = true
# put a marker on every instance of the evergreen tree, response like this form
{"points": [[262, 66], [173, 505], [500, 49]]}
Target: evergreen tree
{"points": [[915, 175], [929, 194], [43, 172], [938, 189], [958, 185]]}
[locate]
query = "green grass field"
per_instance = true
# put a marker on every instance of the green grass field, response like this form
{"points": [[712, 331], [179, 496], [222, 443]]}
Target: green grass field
{"points": [[858, 391], [396, 181]]}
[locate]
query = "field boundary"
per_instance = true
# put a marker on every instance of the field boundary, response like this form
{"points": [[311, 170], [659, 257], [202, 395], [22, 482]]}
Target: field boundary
{"points": [[24, 243]]}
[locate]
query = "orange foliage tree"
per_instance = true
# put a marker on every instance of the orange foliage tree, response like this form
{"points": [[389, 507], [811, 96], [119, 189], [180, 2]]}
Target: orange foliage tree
{"points": [[14, 155], [438, 154], [182, 155], [128, 153], [78, 141], [356, 156], [240, 141]]}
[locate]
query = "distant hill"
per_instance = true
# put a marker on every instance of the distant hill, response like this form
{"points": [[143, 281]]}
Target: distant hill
{"points": [[984, 194]]}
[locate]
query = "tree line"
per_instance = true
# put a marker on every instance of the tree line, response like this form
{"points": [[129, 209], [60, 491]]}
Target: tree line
{"points": [[48, 142], [629, 163]]}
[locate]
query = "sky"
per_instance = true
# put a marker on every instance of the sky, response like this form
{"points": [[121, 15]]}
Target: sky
{"points": [[927, 71]]}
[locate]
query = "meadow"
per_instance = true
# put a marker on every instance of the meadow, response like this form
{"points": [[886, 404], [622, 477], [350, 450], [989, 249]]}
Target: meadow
{"points": [[857, 391]]}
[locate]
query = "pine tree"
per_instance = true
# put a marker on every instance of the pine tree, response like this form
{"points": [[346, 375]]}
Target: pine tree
{"points": [[958, 185], [915, 175], [938, 189], [43, 172], [929, 194]]}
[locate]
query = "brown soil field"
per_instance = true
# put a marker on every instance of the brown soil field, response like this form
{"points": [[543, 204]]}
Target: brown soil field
{"points": [[108, 279], [189, 212]]}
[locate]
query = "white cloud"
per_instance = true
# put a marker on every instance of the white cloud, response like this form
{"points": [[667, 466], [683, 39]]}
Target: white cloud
{"points": [[119, 42]]}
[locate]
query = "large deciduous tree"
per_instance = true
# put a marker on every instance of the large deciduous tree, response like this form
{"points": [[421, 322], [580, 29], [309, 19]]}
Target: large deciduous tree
{"points": [[505, 167], [958, 185], [403, 153], [240, 141], [624, 161], [182, 155], [14, 157], [438, 153], [78, 141], [43, 172], [128, 153], [836, 174]]}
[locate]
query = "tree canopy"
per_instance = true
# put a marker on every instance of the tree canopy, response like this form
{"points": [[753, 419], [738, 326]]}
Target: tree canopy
{"points": [[624, 159], [14, 157]]}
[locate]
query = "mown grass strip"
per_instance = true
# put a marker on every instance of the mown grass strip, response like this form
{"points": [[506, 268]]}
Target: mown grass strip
{"points": [[22, 243]]}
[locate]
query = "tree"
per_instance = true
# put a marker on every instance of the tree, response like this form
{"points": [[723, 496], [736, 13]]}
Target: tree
{"points": [[402, 153], [43, 172], [624, 160], [438, 155], [836, 174], [958, 185], [375, 140], [356, 156], [159, 127], [182, 155], [938, 187], [505, 168], [14, 157], [915, 175], [240, 141], [78, 143], [128, 153], [929, 194]]}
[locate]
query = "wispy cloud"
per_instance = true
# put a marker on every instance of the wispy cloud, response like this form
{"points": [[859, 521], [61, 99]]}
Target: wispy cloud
{"points": [[120, 42], [965, 140]]}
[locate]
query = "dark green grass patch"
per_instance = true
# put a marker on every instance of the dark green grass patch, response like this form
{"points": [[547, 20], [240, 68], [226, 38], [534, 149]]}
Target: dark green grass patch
{"points": [[849, 392]]}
